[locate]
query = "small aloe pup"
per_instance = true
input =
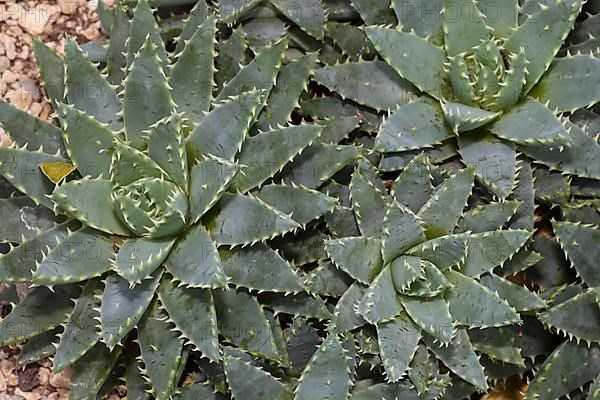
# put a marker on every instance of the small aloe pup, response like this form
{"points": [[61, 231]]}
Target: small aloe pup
{"points": [[492, 81], [424, 282], [156, 203]]}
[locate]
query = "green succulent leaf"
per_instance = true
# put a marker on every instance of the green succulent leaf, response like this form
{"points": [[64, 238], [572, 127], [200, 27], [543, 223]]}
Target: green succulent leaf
{"points": [[38, 348], [416, 125], [26, 129], [444, 251], [464, 26], [245, 380], [460, 357], [197, 391], [462, 87], [18, 265], [413, 57], [300, 305], [565, 317], [476, 306], [160, 351], [262, 221], [138, 258], [359, 257], [259, 74], [380, 302], [152, 207], [489, 217], [23, 219], [350, 39], [238, 309], [519, 297], [274, 274], [487, 250], [443, 210], [197, 16], [116, 59], [89, 201], [386, 391], [463, 118], [405, 271], [514, 81], [578, 243], [195, 261], [191, 79], [401, 231], [89, 143], [431, 315], [231, 10], [193, 312], [48, 308], [308, 15], [87, 90], [531, 122], [568, 367], [345, 315], [594, 390], [501, 16], [398, 341], [318, 163], [81, 332], [524, 192], [424, 372], [137, 386], [166, 146], [371, 83], [369, 203], [130, 165], [52, 71], [421, 17], [231, 119], [81, 255], [231, 54], [327, 374], [522, 260], [146, 94], [498, 343], [302, 204], [430, 281], [209, 179], [123, 306], [265, 154], [327, 280], [144, 28], [575, 159], [413, 187]]}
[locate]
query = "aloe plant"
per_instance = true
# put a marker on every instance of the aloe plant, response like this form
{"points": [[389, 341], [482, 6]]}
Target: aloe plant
{"points": [[424, 277], [155, 201], [493, 82]]}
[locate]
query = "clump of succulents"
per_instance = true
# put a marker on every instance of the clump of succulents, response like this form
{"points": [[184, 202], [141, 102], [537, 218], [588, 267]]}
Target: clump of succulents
{"points": [[157, 200], [201, 223], [492, 81]]}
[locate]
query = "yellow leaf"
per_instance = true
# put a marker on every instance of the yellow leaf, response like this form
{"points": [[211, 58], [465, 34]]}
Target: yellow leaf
{"points": [[57, 171]]}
